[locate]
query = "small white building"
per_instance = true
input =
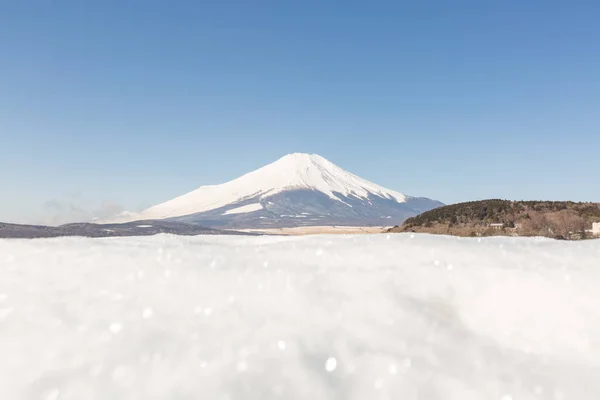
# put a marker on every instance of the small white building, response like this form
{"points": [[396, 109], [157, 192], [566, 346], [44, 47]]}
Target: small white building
{"points": [[596, 228]]}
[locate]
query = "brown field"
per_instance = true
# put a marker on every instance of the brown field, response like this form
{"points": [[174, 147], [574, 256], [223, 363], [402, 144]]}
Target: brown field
{"points": [[319, 230]]}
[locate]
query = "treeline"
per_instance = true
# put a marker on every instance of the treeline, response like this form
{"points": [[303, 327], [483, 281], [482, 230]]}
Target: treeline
{"points": [[488, 211], [560, 219]]}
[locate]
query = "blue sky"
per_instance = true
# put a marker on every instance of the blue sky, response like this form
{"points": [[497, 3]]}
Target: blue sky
{"points": [[123, 104]]}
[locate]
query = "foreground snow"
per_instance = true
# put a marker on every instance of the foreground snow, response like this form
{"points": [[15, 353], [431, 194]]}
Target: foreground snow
{"points": [[320, 317]]}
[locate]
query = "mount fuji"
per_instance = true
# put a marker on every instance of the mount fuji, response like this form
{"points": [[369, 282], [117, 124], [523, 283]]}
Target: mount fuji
{"points": [[296, 190]]}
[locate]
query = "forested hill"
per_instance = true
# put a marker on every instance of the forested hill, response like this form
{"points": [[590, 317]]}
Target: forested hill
{"points": [[546, 218]]}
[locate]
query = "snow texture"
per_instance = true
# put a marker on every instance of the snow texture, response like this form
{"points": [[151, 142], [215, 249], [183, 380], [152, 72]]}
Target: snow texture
{"points": [[292, 172], [245, 209], [314, 317]]}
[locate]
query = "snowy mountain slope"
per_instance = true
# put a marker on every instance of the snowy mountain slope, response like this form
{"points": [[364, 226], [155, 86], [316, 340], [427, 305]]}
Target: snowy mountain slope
{"points": [[297, 186], [292, 172], [304, 207]]}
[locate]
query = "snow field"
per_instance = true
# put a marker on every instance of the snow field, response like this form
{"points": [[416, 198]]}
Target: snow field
{"points": [[312, 317]]}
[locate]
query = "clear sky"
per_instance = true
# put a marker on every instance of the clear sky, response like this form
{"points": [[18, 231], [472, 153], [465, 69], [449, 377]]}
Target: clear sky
{"points": [[123, 104]]}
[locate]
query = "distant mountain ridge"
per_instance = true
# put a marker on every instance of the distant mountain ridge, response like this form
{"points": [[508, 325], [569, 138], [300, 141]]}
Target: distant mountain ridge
{"points": [[296, 190], [137, 228]]}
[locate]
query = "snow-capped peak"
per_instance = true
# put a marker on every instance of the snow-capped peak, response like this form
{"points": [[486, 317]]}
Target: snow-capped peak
{"points": [[291, 172], [311, 171]]}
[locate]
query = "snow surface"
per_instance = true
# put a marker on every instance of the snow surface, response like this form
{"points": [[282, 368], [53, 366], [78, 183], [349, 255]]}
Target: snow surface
{"points": [[294, 171], [245, 209], [313, 317]]}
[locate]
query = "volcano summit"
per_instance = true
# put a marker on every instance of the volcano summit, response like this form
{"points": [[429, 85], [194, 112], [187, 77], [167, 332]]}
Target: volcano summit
{"points": [[296, 190]]}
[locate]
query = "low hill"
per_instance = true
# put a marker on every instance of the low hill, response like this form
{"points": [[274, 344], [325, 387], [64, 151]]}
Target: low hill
{"points": [[137, 228], [557, 219]]}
